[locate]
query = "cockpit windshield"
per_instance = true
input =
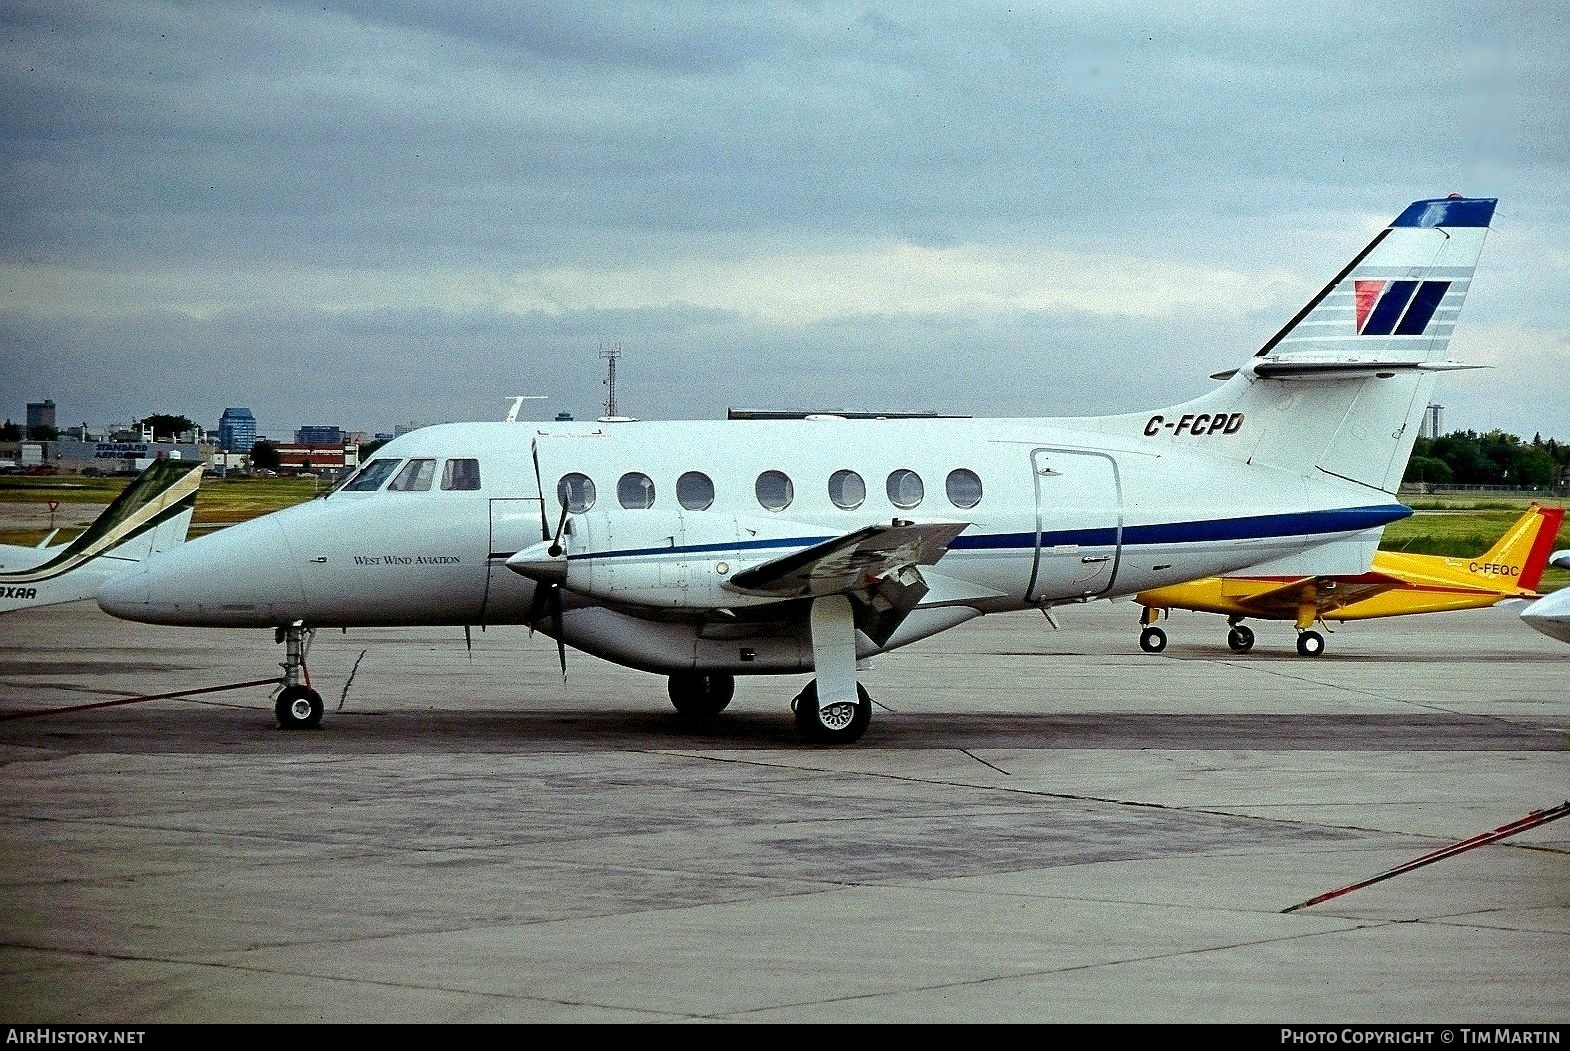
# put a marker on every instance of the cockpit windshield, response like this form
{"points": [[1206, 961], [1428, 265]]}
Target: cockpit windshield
{"points": [[370, 477]]}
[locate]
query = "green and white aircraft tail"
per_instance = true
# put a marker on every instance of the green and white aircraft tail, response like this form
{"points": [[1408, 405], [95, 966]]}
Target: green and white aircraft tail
{"points": [[151, 514]]}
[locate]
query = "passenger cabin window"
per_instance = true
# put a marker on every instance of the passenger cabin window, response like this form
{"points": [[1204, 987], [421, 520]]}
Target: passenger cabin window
{"points": [[414, 478], [695, 491], [905, 488], [371, 476], [847, 490], [635, 491], [576, 491], [963, 487], [461, 474], [774, 490]]}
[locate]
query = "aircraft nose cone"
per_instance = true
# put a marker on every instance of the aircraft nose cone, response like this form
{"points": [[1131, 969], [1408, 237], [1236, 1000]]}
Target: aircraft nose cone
{"points": [[243, 576]]}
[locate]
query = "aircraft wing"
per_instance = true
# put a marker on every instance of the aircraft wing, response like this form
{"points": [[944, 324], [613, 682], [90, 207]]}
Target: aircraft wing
{"points": [[1284, 598], [874, 566]]}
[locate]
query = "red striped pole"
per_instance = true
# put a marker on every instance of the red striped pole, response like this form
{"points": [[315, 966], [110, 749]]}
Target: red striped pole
{"points": [[136, 700], [1532, 820]]}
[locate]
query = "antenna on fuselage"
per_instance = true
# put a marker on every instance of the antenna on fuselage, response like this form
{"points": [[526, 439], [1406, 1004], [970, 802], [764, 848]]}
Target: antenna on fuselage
{"points": [[517, 403]]}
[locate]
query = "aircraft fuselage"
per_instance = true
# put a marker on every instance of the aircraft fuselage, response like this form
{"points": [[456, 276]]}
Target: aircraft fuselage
{"points": [[1052, 515]]}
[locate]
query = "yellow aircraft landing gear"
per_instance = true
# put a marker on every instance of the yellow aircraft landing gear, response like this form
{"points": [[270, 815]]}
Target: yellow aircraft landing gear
{"points": [[1152, 639], [1240, 638]]}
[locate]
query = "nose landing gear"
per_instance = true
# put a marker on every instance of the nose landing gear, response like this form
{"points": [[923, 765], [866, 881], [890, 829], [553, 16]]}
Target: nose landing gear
{"points": [[298, 706]]}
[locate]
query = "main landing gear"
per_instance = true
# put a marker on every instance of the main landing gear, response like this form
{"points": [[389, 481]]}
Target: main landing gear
{"points": [[1240, 638], [700, 696], [839, 722], [832, 709], [298, 707]]}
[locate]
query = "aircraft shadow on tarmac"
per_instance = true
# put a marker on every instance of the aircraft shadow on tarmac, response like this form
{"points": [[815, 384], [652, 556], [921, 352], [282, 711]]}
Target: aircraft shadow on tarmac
{"points": [[219, 728]]}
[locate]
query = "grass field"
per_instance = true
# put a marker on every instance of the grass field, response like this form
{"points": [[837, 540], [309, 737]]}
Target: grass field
{"points": [[221, 502], [1447, 525]]}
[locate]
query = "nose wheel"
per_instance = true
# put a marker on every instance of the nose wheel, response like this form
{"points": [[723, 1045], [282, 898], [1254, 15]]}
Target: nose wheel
{"points": [[1240, 638], [1310, 644], [1152, 640], [298, 708]]}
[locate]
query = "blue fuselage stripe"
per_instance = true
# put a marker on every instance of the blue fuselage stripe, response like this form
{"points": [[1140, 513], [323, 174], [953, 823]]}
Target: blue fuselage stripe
{"points": [[1256, 527]]}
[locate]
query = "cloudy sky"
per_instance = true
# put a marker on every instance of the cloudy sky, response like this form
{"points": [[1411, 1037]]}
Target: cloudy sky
{"points": [[372, 213]]}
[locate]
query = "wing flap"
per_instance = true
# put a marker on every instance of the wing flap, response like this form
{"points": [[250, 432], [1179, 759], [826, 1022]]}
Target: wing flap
{"points": [[854, 561], [875, 567]]}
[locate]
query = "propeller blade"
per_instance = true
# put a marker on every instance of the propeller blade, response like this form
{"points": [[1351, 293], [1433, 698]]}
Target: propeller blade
{"points": [[539, 606], [561, 524], [561, 645]]}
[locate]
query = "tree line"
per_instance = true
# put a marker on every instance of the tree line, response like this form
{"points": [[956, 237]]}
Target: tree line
{"points": [[166, 428], [1494, 458]]}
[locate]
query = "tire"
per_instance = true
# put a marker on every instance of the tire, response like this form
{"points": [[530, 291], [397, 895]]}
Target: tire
{"points": [[298, 708], [1240, 639], [701, 696], [1152, 640], [1310, 644], [841, 727]]}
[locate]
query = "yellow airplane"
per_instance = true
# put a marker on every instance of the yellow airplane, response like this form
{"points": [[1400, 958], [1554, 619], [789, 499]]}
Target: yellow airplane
{"points": [[1396, 585]]}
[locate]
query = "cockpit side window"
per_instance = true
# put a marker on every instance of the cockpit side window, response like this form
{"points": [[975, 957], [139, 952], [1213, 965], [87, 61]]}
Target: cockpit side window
{"points": [[461, 474], [414, 478], [371, 476]]}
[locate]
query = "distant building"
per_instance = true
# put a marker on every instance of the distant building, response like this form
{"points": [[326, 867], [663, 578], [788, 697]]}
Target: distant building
{"points": [[237, 430], [40, 414], [319, 435], [117, 457], [1433, 421], [317, 459]]}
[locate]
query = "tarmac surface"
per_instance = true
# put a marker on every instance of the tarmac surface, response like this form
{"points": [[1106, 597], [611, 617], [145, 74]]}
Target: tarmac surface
{"points": [[1040, 826]]}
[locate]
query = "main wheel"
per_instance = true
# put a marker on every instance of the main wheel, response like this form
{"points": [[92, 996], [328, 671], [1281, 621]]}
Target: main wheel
{"points": [[298, 708], [839, 723], [1152, 640], [1310, 644], [1241, 639], [701, 696]]}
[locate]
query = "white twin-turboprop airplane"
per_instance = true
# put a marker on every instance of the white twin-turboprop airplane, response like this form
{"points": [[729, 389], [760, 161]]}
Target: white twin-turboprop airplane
{"points": [[706, 550]]}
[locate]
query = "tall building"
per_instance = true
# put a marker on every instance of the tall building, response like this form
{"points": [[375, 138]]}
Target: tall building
{"points": [[1433, 420], [237, 430], [40, 414], [318, 435]]}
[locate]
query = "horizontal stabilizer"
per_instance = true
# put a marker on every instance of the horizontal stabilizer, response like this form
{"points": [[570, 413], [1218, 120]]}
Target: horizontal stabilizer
{"points": [[1342, 369]]}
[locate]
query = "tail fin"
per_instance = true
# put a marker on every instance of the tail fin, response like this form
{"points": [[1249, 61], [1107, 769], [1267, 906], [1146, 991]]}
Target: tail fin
{"points": [[1342, 388], [1522, 553], [152, 513]]}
